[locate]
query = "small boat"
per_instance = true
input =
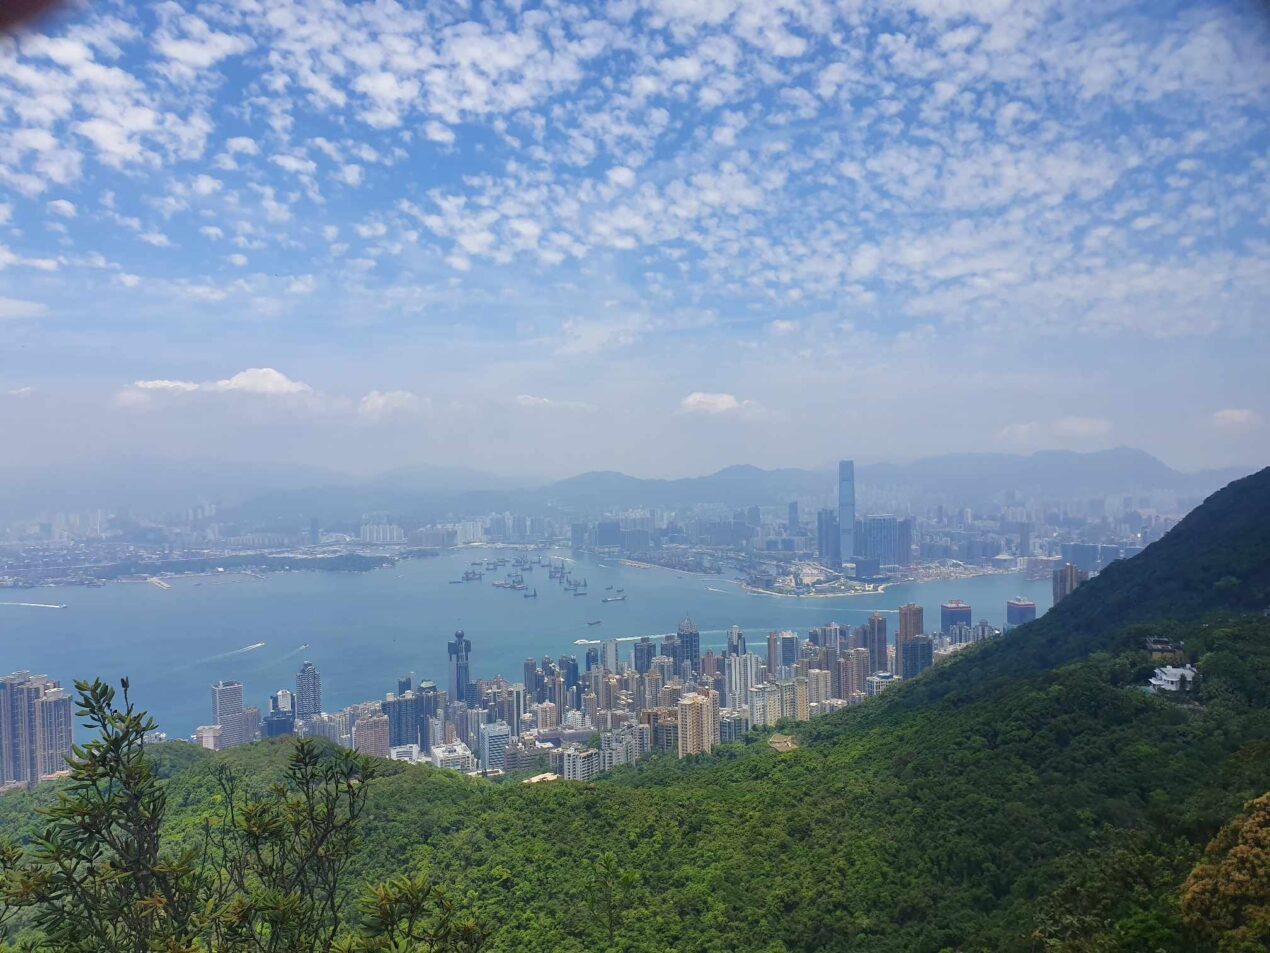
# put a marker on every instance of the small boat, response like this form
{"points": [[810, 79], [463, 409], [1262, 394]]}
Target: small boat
{"points": [[607, 588], [577, 593], [532, 595], [614, 599], [596, 622], [457, 582]]}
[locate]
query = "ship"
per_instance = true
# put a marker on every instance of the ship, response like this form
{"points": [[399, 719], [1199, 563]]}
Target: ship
{"points": [[577, 592], [471, 575], [596, 622], [614, 599], [532, 595], [607, 588]]}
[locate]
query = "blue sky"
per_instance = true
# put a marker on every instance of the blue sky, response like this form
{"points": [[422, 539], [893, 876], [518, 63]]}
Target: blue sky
{"points": [[650, 235]]}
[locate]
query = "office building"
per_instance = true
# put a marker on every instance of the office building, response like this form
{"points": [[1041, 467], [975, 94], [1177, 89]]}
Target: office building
{"points": [[828, 540], [495, 737], [736, 641], [1067, 579], [308, 692], [645, 650], [905, 533], [1019, 611], [37, 718], [460, 685], [689, 638], [792, 524], [846, 510], [875, 642], [878, 539], [953, 613], [773, 652]]}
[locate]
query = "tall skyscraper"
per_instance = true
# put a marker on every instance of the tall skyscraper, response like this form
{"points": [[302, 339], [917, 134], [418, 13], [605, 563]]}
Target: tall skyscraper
{"points": [[910, 628], [308, 692], [37, 718], [846, 509], [227, 711], [690, 642], [875, 642], [904, 542], [645, 651], [792, 524], [1066, 581], [736, 641], [608, 652], [460, 651], [879, 540], [828, 541], [773, 653]]}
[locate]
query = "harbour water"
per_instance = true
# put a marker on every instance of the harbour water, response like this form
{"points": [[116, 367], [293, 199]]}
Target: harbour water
{"points": [[363, 630]]}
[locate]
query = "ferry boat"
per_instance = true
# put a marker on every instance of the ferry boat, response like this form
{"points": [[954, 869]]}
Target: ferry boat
{"points": [[614, 599]]}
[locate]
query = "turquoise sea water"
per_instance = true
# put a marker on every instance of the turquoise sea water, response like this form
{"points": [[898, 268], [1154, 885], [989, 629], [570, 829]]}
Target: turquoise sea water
{"points": [[365, 629]]}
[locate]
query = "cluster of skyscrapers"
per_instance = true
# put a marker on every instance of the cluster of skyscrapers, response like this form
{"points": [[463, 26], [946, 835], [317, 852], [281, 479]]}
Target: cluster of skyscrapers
{"points": [[652, 694], [37, 723]]}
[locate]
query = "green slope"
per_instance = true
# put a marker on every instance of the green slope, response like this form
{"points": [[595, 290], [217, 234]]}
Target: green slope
{"points": [[1027, 795]]}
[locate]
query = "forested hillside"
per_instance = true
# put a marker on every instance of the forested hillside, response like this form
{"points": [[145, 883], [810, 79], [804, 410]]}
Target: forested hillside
{"points": [[1027, 795]]}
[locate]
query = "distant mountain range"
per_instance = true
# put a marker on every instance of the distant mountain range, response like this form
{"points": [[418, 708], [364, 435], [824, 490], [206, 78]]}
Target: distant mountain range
{"points": [[268, 493]]}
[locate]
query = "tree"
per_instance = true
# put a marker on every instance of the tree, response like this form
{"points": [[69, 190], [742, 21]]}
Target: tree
{"points": [[1227, 895], [609, 892], [268, 872]]}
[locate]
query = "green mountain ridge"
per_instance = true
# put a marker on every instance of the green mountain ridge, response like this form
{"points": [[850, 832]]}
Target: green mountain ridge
{"points": [[1026, 795]]}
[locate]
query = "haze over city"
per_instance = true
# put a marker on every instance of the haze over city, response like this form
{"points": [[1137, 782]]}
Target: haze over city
{"points": [[649, 236]]}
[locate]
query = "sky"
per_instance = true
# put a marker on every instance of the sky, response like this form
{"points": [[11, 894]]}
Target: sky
{"points": [[660, 236]]}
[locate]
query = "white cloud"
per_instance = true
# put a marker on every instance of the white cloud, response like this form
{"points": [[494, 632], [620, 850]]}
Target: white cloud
{"points": [[701, 402], [63, 208], [378, 404], [177, 387], [783, 327], [260, 380], [238, 261], [1236, 418], [439, 132], [20, 392], [156, 238]]}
